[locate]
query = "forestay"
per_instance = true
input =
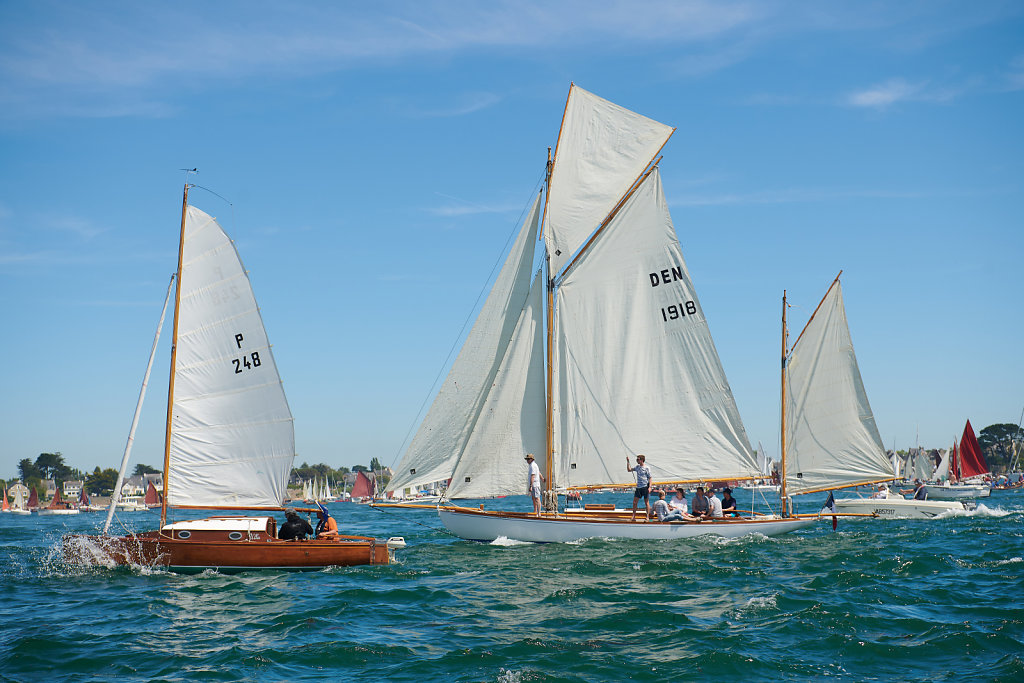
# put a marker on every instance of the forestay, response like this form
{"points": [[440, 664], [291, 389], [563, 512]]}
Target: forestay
{"points": [[602, 149], [832, 439], [232, 438], [636, 368], [464, 399]]}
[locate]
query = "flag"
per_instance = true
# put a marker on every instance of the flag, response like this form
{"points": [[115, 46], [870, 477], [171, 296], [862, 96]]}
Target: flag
{"points": [[830, 505]]}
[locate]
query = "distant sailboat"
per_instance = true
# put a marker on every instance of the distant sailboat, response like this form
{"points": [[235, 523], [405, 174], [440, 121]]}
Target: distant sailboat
{"points": [[829, 437], [230, 441], [19, 507], [6, 504], [967, 466], [58, 506], [605, 355], [152, 497]]}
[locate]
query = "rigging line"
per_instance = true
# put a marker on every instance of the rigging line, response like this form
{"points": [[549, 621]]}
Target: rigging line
{"points": [[483, 290]]}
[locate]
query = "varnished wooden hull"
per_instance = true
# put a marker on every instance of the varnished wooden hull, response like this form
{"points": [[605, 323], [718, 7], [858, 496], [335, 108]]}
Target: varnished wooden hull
{"points": [[156, 549]]}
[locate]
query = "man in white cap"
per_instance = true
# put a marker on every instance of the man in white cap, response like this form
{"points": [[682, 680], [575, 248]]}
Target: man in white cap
{"points": [[533, 480]]}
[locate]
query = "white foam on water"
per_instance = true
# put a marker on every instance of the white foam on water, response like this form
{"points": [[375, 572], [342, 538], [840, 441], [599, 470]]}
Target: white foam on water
{"points": [[504, 541]]}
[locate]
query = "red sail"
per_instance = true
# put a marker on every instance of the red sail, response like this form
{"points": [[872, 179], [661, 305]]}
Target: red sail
{"points": [[972, 460], [152, 497], [363, 488], [33, 498], [57, 503], [83, 497]]}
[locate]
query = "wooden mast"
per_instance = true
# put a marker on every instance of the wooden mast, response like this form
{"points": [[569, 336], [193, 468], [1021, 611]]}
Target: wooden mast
{"points": [[782, 431], [550, 412], [174, 350]]}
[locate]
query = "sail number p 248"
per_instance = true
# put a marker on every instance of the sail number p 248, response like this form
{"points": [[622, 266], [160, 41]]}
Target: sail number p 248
{"points": [[247, 361]]}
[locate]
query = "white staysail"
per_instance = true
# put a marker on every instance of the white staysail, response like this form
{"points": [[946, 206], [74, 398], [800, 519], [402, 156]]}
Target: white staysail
{"points": [[832, 440], [232, 438], [636, 368], [511, 422], [602, 150], [447, 428], [941, 472]]}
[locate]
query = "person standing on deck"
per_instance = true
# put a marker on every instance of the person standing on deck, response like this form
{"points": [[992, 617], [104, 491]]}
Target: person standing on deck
{"points": [[643, 484], [533, 480]]}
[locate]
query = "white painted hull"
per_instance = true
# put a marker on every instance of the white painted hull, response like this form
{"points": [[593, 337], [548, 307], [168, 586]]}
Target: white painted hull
{"points": [[957, 491], [897, 508], [45, 511], [477, 525]]}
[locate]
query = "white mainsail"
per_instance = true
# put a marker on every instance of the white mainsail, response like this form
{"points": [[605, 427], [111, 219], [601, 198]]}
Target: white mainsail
{"points": [[602, 150], [941, 472], [636, 368], [511, 423], [831, 436], [232, 437], [463, 399]]}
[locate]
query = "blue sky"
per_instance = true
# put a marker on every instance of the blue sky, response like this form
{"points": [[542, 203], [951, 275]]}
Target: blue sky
{"points": [[377, 156]]}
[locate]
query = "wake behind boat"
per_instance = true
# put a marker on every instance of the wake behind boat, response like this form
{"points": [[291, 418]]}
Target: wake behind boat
{"points": [[600, 353], [230, 440]]}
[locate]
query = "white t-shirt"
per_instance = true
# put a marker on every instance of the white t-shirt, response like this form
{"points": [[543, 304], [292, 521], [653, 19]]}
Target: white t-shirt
{"points": [[533, 476], [714, 506], [679, 504]]}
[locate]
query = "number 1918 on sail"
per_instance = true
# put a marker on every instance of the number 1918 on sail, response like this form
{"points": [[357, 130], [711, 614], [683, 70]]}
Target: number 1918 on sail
{"points": [[680, 310]]}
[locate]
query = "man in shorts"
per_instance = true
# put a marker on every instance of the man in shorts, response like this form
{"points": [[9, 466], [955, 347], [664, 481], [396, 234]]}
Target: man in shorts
{"points": [[533, 480], [643, 484]]}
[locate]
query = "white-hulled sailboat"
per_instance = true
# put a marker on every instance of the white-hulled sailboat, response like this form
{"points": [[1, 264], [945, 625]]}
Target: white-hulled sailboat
{"points": [[230, 440], [829, 437], [628, 366]]}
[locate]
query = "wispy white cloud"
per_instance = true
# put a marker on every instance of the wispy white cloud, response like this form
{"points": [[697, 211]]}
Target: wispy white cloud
{"points": [[462, 207], [898, 90], [466, 104], [793, 196], [1015, 76]]}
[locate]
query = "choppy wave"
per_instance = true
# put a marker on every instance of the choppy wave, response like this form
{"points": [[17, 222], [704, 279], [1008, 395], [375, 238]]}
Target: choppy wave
{"points": [[918, 600]]}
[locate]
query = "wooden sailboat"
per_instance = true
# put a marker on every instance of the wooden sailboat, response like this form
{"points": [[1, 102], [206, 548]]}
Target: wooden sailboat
{"points": [[829, 437], [229, 442], [601, 353], [967, 467], [58, 506]]}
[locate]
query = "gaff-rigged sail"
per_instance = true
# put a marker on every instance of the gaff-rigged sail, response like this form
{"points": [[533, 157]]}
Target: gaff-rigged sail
{"points": [[636, 368], [832, 440], [232, 438], [463, 398], [602, 150]]}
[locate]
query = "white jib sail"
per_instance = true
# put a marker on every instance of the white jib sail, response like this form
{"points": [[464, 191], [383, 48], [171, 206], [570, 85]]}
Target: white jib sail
{"points": [[602, 149], [232, 437], [831, 436], [512, 422], [636, 368], [941, 472], [444, 433]]}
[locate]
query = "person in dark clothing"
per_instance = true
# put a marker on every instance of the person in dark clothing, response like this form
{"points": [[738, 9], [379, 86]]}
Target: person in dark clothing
{"points": [[295, 528], [921, 492], [728, 502]]}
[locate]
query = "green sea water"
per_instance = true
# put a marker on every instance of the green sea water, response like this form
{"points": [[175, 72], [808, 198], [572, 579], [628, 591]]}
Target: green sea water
{"points": [[929, 600]]}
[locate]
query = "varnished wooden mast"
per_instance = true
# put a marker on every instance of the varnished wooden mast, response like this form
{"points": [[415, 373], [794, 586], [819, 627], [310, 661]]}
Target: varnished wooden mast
{"points": [[550, 414], [782, 479], [174, 350]]}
